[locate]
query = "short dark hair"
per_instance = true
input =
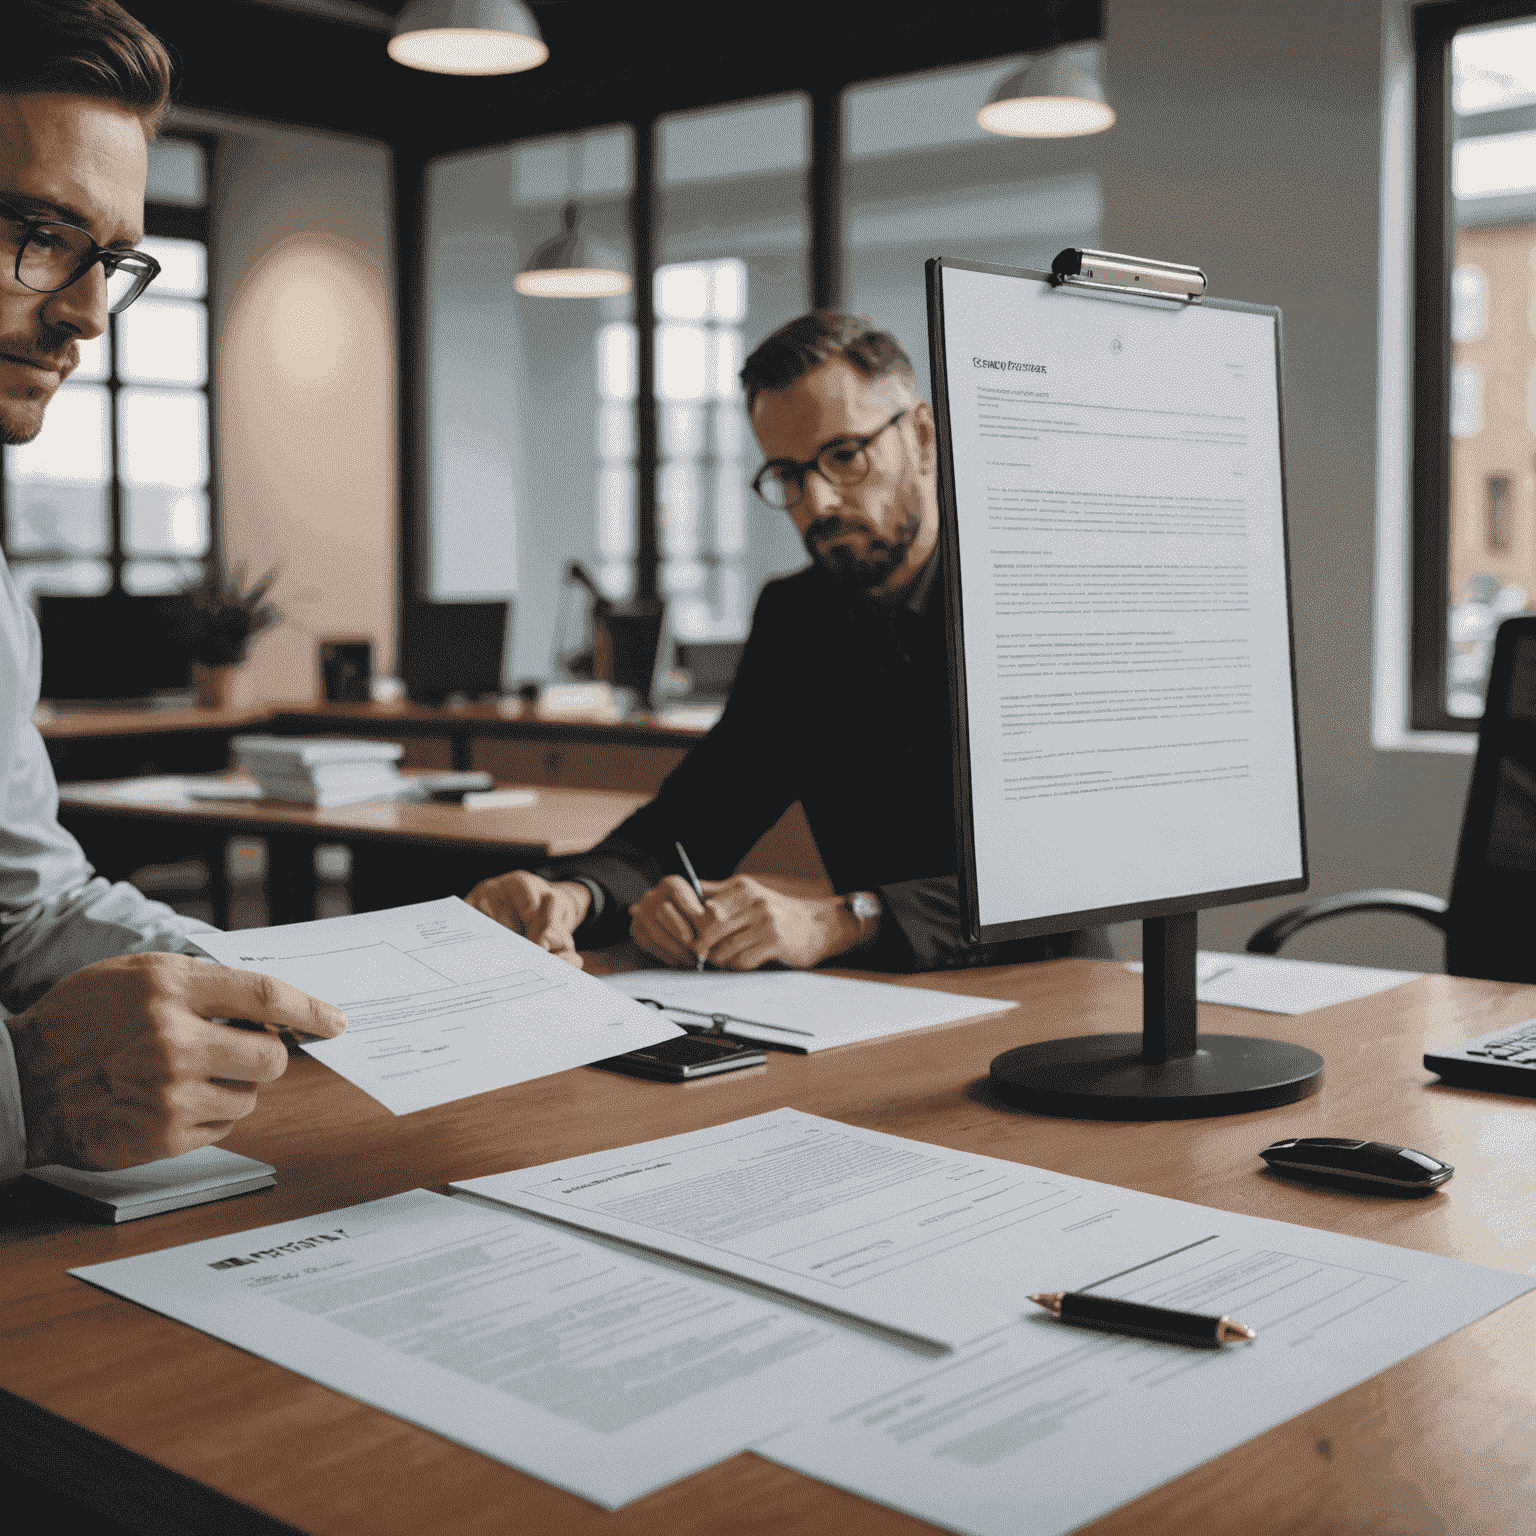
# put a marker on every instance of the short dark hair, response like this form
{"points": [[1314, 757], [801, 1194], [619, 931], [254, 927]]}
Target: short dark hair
{"points": [[84, 48], [794, 349]]}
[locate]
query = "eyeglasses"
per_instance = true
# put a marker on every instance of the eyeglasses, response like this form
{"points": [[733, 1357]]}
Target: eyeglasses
{"points": [[52, 256], [843, 461]]}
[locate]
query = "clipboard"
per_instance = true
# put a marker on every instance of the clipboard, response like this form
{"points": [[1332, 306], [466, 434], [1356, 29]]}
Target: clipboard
{"points": [[1121, 644]]}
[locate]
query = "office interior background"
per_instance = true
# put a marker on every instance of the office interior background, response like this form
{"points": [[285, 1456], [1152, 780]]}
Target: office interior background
{"points": [[335, 375]]}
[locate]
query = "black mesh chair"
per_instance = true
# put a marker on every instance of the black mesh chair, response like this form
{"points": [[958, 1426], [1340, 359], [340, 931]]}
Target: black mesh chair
{"points": [[1490, 921]]}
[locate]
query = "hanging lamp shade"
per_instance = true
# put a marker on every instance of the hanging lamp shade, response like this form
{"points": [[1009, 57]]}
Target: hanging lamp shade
{"points": [[574, 266], [1054, 96], [468, 37]]}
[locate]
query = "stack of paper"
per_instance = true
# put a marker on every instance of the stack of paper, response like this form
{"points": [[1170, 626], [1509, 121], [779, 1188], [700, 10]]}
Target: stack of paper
{"points": [[320, 770], [194, 1178]]}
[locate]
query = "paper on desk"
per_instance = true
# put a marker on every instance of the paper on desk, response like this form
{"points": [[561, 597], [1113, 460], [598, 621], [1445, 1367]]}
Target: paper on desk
{"points": [[602, 1372], [441, 1001], [193, 1178], [914, 1238], [1069, 1424], [802, 1010], [1270, 984]]}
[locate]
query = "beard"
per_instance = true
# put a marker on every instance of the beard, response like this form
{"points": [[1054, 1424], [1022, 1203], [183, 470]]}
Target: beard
{"points": [[882, 559], [21, 415]]}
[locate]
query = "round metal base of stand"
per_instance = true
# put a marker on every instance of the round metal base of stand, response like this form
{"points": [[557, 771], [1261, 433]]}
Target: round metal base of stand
{"points": [[1103, 1077]]}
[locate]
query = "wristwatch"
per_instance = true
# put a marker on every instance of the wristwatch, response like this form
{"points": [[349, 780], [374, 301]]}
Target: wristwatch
{"points": [[865, 909]]}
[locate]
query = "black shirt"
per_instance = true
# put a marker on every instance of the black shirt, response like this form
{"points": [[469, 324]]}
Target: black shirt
{"points": [[842, 703]]}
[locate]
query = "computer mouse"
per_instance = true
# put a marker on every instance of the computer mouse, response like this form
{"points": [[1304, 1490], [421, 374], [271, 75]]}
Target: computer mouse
{"points": [[1374, 1167]]}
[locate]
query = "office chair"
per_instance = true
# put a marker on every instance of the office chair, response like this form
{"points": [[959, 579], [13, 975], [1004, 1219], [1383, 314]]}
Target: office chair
{"points": [[1490, 921]]}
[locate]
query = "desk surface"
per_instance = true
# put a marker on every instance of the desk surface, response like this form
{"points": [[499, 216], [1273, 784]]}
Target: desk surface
{"points": [[559, 822], [64, 722], [174, 1425]]}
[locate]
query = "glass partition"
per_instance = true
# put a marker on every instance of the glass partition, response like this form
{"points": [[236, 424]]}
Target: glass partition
{"points": [[732, 236], [922, 178], [530, 399]]}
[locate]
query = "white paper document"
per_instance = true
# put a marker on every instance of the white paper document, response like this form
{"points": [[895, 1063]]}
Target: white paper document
{"points": [[602, 1372], [1270, 984], [441, 1001], [925, 1242], [801, 1010], [1118, 492], [1043, 1427], [610, 1371]]}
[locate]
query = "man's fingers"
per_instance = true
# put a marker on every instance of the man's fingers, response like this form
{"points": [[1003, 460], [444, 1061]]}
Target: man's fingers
{"points": [[656, 940], [221, 1104], [745, 949], [242, 1056], [223, 991], [679, 893]]}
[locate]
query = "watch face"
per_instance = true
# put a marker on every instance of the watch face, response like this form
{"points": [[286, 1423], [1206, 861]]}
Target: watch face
{"points": [[863, 905]]}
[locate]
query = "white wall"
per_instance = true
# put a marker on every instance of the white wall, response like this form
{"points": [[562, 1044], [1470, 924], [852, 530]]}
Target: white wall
{"points": [[304, 337], [1249, 141]]}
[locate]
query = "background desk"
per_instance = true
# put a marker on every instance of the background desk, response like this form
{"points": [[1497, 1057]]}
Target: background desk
{"points": [[632, 755], [171, 1431], [400, 853]]}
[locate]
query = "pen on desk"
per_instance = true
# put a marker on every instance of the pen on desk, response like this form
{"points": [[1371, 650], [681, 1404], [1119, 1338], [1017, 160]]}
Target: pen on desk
{"points": [[1111, 1316], [698, 890]]}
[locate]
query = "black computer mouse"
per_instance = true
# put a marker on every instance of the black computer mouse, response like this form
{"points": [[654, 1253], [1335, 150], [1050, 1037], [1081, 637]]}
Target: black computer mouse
{"points": [[1371, 1167]]}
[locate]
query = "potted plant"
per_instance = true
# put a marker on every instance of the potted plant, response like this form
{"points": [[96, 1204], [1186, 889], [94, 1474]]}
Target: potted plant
{"points": [[218, 617]]}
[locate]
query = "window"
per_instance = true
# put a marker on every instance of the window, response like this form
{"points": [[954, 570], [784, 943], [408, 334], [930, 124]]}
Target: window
{"points": [[1475, 386], [116, 489], [732, 250]]}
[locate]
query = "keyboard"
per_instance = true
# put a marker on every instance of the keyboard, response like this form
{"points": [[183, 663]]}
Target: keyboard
{"points": [[1504, 1061]]}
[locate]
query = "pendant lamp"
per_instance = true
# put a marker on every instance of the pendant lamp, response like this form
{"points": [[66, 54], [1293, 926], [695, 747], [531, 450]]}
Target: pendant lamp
{"points": [[1054, 96], [574, 266], [468, 37]]}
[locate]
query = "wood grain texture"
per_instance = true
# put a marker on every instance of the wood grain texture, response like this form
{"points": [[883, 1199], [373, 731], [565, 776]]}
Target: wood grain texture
{"points": [[1446, 1441]]}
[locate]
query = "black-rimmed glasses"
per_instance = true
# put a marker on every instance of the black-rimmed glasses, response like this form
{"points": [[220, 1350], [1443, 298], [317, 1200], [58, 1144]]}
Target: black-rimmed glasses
{"points": [[843, 461], [52, 256]]}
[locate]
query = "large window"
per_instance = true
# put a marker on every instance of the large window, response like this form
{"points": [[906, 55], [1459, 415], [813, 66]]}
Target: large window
{"points": [[115, 490], [1475, 414]]}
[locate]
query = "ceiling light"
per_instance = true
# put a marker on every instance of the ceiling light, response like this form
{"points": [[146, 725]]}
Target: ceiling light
{"points": [[1054, 96], [574, 266], [468, 37]]}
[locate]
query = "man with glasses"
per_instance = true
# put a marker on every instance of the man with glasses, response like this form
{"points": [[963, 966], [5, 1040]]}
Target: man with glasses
{"points": [[841, 702], [116, 1053]]}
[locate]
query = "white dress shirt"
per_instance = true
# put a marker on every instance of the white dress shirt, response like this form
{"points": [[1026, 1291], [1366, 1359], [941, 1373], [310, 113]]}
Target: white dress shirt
{"points": [[56, 913]]}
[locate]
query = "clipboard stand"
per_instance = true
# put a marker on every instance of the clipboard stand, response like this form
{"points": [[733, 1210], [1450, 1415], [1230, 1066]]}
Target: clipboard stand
{"points": [[1169, 1071]]}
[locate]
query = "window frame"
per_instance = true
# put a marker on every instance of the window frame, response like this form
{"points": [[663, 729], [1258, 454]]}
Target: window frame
{"points": [[1434, 29], [168, 221]]}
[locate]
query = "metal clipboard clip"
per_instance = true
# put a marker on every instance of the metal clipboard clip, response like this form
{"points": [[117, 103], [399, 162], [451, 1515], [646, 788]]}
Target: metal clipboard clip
{"points": [[1128, 274]]}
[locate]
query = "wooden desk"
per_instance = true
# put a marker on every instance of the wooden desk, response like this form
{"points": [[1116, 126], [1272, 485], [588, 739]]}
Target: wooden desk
{"points": [[168, 1430], [632, 755], [400, 852]]}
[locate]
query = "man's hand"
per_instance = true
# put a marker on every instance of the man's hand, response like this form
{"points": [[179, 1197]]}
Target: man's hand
{"points": [[122, 1063], [549, 914], [744, 926]]}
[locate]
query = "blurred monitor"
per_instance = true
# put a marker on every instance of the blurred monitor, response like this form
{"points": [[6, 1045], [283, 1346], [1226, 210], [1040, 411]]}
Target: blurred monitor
{"points": [[710, 669], [448, 648], [113, 647]]}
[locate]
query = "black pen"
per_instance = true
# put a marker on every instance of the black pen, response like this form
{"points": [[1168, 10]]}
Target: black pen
{"points": [[698, 890], [1131, 1317]]}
